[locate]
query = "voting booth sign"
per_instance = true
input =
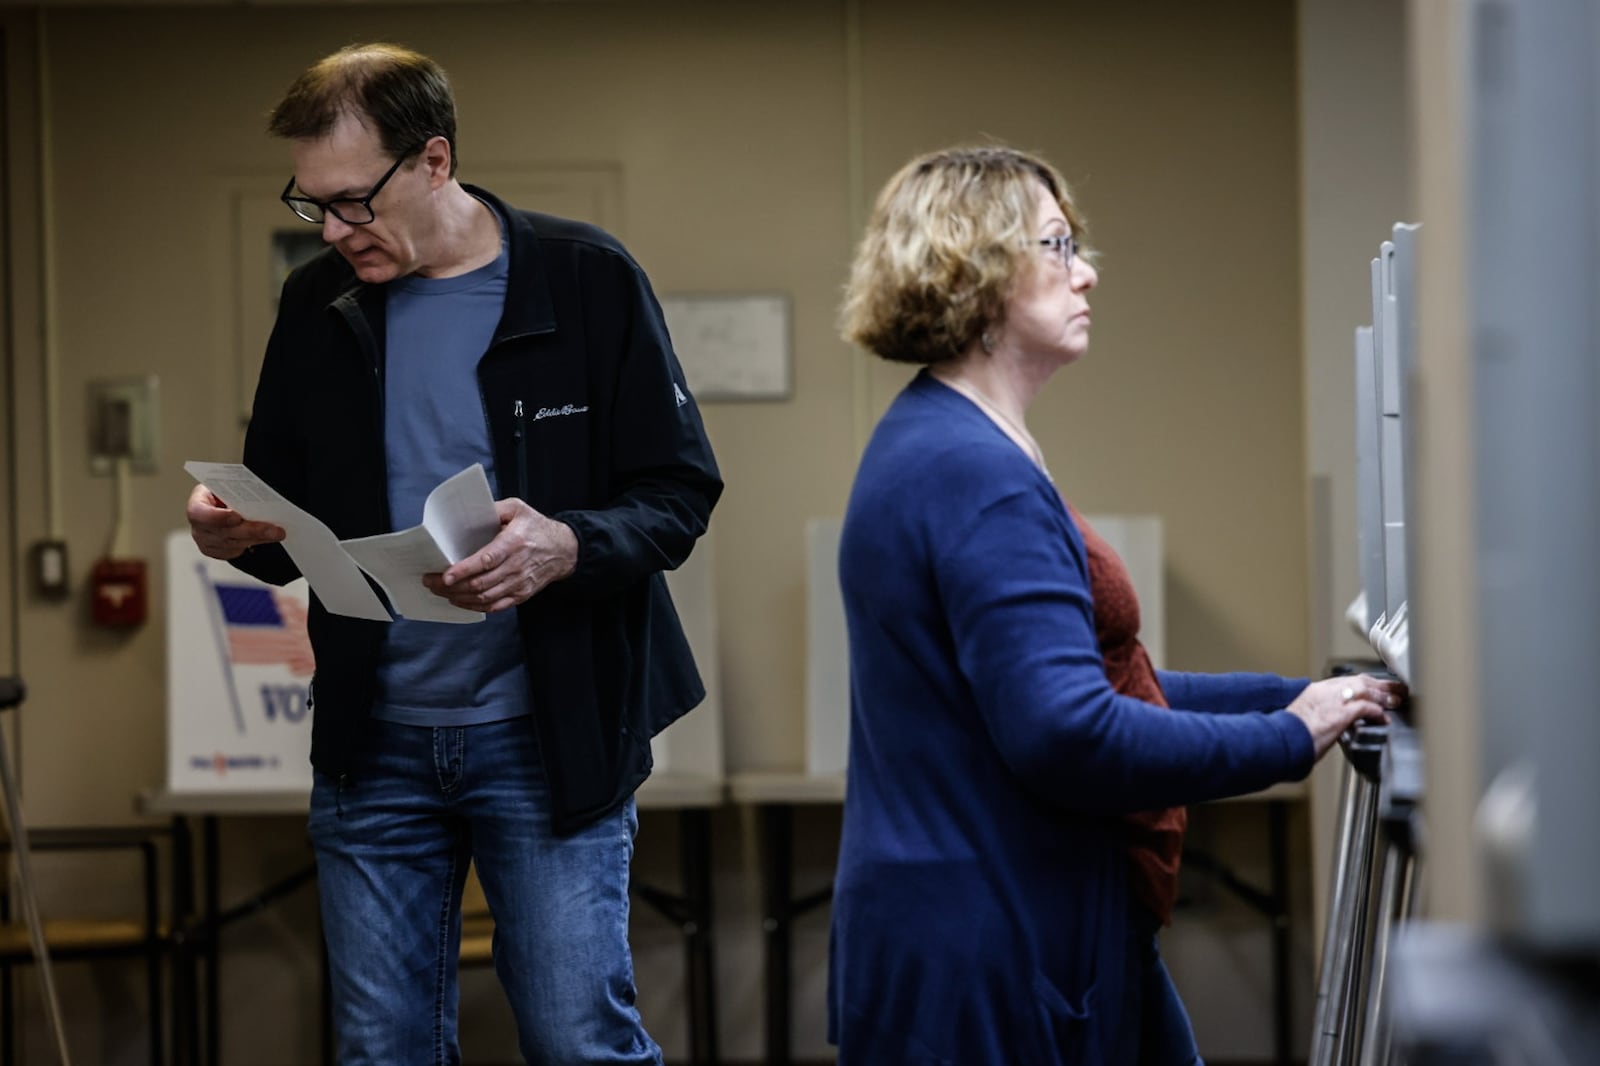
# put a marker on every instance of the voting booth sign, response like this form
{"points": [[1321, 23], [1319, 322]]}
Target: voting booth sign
{"points": [[239, 671], [239, 668]]}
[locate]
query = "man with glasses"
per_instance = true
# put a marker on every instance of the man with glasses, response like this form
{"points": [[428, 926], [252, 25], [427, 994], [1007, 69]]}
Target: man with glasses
{"points": [[444, 328]]}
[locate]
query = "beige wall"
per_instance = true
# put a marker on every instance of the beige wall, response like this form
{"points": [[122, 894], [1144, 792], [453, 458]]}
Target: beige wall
{"points": [[1178, 132], [748, 139]]}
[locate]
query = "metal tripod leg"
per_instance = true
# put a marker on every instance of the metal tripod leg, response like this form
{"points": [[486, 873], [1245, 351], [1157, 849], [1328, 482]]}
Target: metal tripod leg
{"points": [[1359, 929], [30, 905], [1343, 946], [1391, 911], [1328, 975], [1408, 890]]}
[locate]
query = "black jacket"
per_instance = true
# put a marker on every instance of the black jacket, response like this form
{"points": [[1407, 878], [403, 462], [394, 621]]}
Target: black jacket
{"points": [[626, 465]]}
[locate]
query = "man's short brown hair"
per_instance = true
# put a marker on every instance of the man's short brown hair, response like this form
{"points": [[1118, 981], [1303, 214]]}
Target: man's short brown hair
{"points": [[403, 95]]}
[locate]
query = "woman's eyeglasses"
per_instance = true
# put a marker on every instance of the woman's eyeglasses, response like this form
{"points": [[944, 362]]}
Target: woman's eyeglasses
{"points": [[1063, 244]]}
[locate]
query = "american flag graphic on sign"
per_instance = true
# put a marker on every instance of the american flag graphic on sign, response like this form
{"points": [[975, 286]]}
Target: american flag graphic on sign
{"points": [[264, 628]]}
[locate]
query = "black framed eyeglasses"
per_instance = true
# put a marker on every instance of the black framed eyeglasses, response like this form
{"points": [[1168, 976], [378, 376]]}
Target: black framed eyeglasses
{"points": [[352, 212], [1063, 244]]}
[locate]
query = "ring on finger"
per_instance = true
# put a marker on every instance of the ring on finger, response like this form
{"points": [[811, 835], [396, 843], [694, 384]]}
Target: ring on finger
{"points": [[1348, 694]]}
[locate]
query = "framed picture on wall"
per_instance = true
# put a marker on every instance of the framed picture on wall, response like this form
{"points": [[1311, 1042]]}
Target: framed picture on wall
{"points": [[733, 346]]}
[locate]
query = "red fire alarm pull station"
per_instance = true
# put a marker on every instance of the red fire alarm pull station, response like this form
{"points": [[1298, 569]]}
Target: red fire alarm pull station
{"points": [[118, 591]]}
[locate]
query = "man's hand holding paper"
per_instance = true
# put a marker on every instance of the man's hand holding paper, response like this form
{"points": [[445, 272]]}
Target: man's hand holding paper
{"points": [[332, 574], [459, 517], [220, 532], [528, 553], [502, 553]]}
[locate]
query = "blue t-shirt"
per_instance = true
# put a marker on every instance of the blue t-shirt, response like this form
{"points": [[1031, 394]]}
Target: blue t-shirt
{"points": [[436, 673]]}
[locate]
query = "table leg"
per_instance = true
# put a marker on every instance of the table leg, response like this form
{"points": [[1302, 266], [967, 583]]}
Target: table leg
{"points": [[700, 957], [185, 984], [211, 863], [1278, 847], [777, 839]]}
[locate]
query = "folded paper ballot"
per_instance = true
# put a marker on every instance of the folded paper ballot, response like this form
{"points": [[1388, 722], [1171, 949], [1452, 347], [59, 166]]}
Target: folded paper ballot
{"points": [[458, 518]]}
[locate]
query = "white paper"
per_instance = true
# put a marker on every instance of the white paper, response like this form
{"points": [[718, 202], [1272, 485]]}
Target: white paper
{"points": [[330, 571], [460, 513], [397, 562], [458, 518]]}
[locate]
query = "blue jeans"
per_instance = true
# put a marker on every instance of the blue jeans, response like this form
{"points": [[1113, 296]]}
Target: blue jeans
{"points": [[1154, 1017], [393, 842]]}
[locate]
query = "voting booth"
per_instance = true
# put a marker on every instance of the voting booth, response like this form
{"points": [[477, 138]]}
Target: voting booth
{"points": [[1519, 984], [1374, 890], [239, 668], [239, 671], [693, 744]]}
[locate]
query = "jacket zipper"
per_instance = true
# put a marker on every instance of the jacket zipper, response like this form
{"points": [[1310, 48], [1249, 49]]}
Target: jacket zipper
{"points": [[518, 423], [356, 320], [383, 440], [349, 309], [518, 436]]}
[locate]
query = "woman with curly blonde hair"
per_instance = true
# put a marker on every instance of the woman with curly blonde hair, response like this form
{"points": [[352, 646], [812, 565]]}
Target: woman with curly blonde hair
{"points": [[1012, 819]]}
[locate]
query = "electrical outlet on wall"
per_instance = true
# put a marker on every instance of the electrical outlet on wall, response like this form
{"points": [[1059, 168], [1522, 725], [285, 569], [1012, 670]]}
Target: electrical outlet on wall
{"points": [[122, 421], [48, 563]]}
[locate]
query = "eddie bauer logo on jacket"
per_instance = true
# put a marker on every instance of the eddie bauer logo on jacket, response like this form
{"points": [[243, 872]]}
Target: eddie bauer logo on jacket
{"points": [[557, 412]]}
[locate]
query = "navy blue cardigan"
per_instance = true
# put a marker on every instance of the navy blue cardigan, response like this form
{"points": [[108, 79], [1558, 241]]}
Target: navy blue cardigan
{"points": [[633, 476], [981, 900]]}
